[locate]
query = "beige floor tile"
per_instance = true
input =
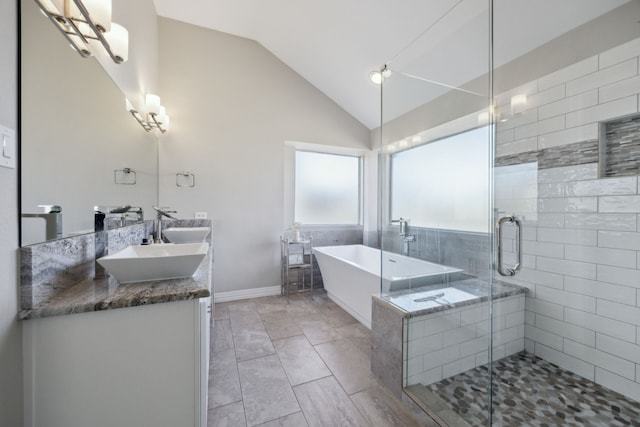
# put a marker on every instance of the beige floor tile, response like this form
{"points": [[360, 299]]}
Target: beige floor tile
{"points": [[224, 383], [268, 344], [266, 392], [231, 415], [221, 336], [278, 329], [380, 408], [349, 364], [324, 403], [293, 420], [251, 341], [299, 360]]}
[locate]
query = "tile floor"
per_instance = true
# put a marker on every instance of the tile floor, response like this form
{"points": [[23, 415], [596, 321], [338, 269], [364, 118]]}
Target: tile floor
{"points": [[533, 392], [302, 363]]}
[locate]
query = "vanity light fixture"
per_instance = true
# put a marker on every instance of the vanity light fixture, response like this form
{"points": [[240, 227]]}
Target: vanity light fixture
{"points": [[87, 26], [157, 117], [156, 113], [136, 115]]}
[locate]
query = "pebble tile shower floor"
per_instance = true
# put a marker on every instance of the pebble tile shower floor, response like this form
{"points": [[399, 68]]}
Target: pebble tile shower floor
{"points": [[529, 391]]}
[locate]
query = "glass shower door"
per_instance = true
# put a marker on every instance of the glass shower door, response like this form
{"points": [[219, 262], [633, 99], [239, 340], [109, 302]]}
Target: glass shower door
{"points": [[436, 217], [566, 167]]}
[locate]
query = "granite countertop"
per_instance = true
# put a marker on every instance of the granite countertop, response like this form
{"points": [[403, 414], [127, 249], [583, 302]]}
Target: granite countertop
{"points": [[474, 289], [108, 294]]}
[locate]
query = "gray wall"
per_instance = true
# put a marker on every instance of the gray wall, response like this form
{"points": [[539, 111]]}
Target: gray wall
{"points": [[233, 106], [10, 328]]}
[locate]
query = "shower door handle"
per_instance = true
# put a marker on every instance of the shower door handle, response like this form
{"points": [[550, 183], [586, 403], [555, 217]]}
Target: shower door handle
{"points": [[516, 268]]}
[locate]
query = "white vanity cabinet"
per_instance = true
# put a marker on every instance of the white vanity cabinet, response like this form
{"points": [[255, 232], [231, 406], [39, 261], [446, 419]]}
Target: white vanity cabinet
{"points": [[137, 366]]}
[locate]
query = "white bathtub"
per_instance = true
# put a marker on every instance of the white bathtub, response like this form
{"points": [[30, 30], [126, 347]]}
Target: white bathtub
{"points": [[352, 273]]}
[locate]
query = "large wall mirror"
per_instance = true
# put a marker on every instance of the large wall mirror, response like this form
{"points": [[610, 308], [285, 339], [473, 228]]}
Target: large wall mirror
{"points": [[80, 147]]}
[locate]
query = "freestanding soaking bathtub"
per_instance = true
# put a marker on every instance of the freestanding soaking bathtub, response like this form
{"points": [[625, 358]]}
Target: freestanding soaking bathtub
{"points": [[352, 273]]}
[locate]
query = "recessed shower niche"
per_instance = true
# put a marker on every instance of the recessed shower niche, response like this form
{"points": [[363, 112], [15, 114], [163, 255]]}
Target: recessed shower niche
{"points": [[619, 145]]}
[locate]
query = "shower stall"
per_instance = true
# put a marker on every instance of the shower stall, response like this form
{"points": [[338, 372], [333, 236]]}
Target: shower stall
{"points": [[509, 148]]}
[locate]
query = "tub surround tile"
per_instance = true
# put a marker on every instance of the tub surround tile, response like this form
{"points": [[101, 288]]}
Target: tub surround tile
{"points": [[386, 341], [475, 286]]}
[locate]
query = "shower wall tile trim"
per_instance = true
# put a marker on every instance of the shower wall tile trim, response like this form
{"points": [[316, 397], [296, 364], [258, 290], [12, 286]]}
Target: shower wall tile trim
{"points": [[581, 233]]}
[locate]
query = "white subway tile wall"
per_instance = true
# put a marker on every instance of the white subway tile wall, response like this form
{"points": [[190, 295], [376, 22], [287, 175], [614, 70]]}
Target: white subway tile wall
{"points": [[583, 308], [444, 344]]}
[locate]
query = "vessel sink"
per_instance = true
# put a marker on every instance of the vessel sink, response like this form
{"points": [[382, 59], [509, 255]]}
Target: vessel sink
{"points": [[186, 234], [139, 263]]}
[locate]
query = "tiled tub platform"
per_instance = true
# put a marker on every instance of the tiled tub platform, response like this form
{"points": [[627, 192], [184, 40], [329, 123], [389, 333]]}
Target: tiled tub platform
{"points": [[439, 336]]}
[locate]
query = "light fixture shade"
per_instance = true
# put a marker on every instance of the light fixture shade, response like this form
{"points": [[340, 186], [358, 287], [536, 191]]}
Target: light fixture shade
{"points": [[165, 123], [153, 103], [100, 13], [518, 103], [376, 77], [162, 115], [118, 39], [54, 7]]}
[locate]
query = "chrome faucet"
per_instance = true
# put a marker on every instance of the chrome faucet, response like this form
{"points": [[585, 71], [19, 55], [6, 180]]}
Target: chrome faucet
{"points": [[161, 212], [406, 238], [100, 272]]}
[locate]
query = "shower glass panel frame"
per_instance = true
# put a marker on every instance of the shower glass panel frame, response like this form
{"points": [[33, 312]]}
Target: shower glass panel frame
{"points": [[446, 302]]}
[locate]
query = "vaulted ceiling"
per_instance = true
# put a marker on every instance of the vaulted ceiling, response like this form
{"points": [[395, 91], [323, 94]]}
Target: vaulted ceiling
{"points": [[335, 44]]}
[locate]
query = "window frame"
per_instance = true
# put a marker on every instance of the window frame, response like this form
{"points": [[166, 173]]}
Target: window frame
{"points": [[388, 166], [291, 148]]}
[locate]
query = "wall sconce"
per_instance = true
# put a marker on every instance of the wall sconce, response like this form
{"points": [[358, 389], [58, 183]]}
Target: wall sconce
{"points": [[518, 103], [87, 26], [157, 117]]}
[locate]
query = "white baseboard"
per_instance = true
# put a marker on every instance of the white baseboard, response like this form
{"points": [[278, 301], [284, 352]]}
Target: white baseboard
{"points": [[246, 294]]}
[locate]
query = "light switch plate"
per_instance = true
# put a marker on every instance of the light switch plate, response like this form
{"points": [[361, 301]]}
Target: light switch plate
{"points": [[201, 215], [8, 152]]}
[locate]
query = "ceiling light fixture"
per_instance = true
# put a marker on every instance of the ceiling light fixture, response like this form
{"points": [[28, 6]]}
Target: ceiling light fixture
{"points": [[87, 26], [378, 76]]}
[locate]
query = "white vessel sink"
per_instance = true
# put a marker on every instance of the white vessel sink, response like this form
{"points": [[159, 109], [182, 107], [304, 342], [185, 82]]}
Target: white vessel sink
{"points": [[139, 263], [186, 234]]}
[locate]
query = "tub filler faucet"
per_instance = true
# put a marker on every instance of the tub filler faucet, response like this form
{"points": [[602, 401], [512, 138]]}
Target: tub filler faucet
{"points": [[406, 237]]}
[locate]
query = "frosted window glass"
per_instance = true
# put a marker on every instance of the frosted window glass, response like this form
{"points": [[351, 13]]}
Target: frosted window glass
{"points": [[444, 184], [327, 188]]}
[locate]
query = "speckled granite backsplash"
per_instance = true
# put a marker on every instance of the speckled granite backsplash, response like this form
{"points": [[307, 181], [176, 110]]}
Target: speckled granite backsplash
{"points": [[49, 268]]}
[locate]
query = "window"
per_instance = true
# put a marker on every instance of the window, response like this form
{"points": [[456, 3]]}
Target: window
{"points": [[327, 188], [444, 184]]}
